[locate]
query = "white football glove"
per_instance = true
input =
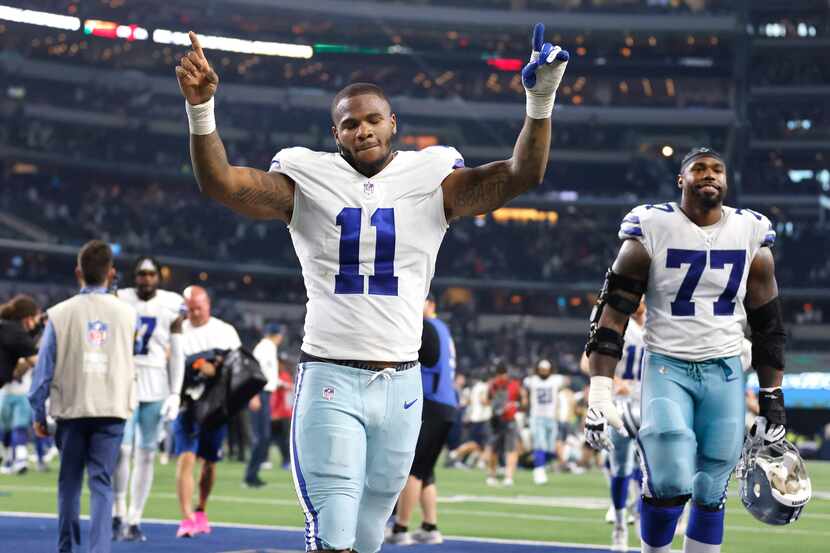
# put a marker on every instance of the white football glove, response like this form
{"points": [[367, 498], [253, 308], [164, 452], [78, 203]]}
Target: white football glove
{"points": [[770, 433], [601, 412], [170, 407], [542, 75]]}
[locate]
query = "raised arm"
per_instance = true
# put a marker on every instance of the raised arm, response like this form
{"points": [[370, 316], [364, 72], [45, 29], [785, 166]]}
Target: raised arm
{"points": [[247, 191], [479, 190]]}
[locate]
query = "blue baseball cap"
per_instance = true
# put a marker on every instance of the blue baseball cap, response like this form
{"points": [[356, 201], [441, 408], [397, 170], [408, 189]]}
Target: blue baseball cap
{"points": [[272, 328]]}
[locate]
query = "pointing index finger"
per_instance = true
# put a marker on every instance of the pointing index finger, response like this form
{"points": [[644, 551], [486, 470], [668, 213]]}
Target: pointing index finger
{"points": [[197, 47], [538, 36]]}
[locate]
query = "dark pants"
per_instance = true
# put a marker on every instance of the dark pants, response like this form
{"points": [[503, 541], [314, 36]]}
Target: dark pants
{"points": [[239, 435], [261, 427], [91, 443], [280, 431]]}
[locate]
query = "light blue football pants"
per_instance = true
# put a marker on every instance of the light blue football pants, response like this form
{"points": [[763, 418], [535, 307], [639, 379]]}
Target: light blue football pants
{"points": [[621, 458], [692, 426], [353, 437], [544, 431]]}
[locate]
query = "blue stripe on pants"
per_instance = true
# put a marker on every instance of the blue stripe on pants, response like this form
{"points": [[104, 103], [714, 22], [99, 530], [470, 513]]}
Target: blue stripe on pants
{"points": [[311, 524], [91, 443]]}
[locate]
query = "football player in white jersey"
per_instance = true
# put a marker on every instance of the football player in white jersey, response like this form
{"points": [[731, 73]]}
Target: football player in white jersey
{"points": [[541, 391], [159, 368], [366, 223], [622, 472], [706, 269]]}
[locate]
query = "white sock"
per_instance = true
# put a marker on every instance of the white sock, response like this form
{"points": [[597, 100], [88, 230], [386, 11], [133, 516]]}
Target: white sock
{"points": [[619, 517], [121, 481], [693, 546], [21, 454], [141, 483]]}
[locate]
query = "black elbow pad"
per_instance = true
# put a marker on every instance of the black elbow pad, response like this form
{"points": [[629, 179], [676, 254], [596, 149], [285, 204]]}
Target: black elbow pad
{"points": [[768, 334]]}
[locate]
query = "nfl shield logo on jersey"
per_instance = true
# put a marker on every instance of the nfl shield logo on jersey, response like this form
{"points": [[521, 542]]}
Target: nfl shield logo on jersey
{"points": [[96, 333], [368, 188], [328, 393]]}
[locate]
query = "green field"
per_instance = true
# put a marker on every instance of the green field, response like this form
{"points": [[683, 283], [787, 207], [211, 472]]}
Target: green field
{"points": [[568, 509]]}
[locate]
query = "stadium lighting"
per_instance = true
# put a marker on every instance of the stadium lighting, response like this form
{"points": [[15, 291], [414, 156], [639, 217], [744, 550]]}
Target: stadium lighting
{"points": [[667, 151], [42, 19], [110, 29], [227, 44]]}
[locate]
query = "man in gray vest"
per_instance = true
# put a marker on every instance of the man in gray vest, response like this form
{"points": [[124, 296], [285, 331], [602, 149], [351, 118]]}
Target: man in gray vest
{"points": [[85, 367]]}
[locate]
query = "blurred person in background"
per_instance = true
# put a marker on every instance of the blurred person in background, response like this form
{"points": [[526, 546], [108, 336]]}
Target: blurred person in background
{"points": [[20, 322], [282, 401], [437, 358], [266, 352], [622, 469], [477, 430], [202, 336], [86, 369], [541, 391], [505, 394], [159, 365]]}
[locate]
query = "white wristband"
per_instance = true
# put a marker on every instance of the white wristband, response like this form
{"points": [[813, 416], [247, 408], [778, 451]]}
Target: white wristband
{"points": [[600, 391], [200, 117], [539, 107]]}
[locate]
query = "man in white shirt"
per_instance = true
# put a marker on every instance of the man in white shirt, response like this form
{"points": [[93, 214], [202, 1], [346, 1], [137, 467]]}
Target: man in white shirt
{"points": [[260, 405], [201, 336]]}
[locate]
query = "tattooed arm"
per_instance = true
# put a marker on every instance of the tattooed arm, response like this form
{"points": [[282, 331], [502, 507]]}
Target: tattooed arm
{"points": [[245, 190], [479, 190]]}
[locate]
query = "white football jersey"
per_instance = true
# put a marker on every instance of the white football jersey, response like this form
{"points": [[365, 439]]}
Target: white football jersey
{"points": [[153, 340], [697, 279], [543, 393], [266, 353], [367, 247], [214, 334], [630, 366]]}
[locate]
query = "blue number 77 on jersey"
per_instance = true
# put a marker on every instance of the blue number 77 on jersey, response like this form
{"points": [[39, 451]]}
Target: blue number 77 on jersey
{"points": [[683, 306], [349, 280]]}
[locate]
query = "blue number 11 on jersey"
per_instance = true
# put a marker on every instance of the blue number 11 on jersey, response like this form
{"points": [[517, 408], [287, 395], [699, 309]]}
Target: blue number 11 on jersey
{"points": [[349, 280]]}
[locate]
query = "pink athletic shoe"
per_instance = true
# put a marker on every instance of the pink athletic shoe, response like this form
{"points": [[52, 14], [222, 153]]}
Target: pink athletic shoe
{"points": [[187, 528], [200, 522]]}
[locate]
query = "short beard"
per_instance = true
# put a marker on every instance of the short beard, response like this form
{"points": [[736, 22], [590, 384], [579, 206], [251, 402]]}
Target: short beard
{"points": [[709, 203], [145, 294], [367, 169]]}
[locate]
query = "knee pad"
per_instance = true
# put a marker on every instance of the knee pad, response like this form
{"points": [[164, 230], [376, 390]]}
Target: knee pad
{"points": [[668, 449], [667, 501]]}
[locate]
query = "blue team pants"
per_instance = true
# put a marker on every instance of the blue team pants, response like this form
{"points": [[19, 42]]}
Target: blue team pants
{"points": [[91, 443], [353, 437], [692, 426]]}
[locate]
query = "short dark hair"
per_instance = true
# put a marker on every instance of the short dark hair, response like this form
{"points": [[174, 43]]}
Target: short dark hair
{"points": [[358, 89], [95, 261], [18, 308]]}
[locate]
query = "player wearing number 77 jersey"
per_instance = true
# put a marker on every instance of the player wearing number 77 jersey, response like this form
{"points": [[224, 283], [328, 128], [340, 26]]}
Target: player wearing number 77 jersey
{"points": [[366, 223], [706, 269]]}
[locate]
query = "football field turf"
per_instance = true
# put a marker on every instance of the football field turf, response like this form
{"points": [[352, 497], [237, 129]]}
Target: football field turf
{"points": [[568, 509]]}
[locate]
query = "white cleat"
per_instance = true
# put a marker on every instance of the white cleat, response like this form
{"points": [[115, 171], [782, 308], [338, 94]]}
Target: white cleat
{"points": [[508, 482], [540, 476], [400, 538], [492, 481], [432, 537], [619, 538]]}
